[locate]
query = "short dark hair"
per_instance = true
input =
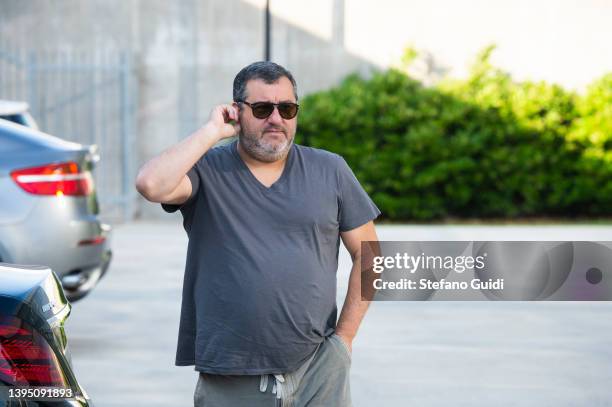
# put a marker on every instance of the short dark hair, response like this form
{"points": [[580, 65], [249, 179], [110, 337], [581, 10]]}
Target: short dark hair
{"points": [[267, 71]]}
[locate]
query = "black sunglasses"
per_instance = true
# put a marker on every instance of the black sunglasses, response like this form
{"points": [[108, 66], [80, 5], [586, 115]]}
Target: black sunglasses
{"points": [[263, 110]]}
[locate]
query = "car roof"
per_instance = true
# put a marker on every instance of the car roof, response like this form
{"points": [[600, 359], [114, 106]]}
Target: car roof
{"points": [[9, 107]]}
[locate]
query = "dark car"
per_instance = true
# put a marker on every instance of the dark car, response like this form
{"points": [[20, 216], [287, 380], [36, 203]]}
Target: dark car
{"points": [[35, 364], [49, 208]]}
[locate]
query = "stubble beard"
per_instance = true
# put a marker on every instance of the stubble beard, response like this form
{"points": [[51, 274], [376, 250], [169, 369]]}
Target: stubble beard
{"points": [[262, 150]]}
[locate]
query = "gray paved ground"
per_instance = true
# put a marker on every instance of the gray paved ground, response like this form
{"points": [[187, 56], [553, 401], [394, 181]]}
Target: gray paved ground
{"points": [[123, 336]]}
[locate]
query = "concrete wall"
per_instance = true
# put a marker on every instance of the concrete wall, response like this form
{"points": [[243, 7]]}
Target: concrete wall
{"points": [[186, 53]]}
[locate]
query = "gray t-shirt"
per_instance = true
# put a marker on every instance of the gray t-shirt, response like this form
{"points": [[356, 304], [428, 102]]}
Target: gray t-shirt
{"points": [[259, 292]]}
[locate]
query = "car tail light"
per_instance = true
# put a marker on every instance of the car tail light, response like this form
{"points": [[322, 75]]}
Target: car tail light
{"points": [[54, 179], [92, 242], [26, 359]]}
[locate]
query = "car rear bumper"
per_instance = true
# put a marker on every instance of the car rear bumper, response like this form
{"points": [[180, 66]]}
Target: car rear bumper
{"points": [[63, 234], [79, 282]]}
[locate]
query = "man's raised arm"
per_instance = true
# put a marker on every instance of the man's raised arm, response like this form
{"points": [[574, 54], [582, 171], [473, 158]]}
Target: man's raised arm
{"points": [[164, 179]]}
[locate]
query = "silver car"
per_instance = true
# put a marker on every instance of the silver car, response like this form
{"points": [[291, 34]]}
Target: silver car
{"points": [[49, 208]]}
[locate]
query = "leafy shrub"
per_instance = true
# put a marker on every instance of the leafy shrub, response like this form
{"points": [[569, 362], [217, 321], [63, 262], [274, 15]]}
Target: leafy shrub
{"points": [[486, 146]]}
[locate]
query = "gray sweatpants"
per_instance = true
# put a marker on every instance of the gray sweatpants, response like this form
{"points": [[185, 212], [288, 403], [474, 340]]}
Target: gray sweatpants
{"points": [[321, 381]]}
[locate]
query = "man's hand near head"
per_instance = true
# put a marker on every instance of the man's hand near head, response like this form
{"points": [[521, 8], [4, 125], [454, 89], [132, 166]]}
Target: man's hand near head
{"points": [[224, 121]]}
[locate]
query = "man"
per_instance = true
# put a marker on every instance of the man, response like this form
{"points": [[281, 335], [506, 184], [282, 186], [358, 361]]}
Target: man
{"points": [[264, 218]]}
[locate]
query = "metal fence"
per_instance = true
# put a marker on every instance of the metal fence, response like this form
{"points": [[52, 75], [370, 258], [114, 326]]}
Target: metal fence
{"points": [[87, 97]]}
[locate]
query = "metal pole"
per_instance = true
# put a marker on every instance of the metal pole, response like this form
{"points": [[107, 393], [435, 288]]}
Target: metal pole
{"points": [[268, 26]]}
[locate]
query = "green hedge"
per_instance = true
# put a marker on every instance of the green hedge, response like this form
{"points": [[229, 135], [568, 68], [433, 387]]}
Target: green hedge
{"points": [[486, 146]]}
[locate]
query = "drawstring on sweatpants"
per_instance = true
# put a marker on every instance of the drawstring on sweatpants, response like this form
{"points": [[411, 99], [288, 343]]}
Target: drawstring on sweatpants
{"points": [[286, 385], [263, 383], [278, 387]]}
